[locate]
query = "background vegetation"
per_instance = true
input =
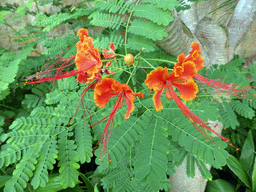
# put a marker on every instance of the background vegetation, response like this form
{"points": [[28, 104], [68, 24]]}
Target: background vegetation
{"points": [[41, 152]]}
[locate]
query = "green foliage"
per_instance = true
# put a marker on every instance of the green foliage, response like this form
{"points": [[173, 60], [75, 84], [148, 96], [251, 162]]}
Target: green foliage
{"points": [[39, 140], [228, 108], [151, 28], [106, 20], [169, 4], [9, 68], [147, 29], [149, 11], [103, 41], [228, 116], [45, 149], [55, 20], [115, 6], [60, 43]]}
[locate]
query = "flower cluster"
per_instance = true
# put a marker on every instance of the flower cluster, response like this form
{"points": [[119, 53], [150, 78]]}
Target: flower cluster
{"points": [[183, 77], [89, 70], [86, 56]]}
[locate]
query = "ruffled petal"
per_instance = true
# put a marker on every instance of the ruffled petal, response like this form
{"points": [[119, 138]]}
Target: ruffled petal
{"points": [[156, 79], [130, 106], [195, 55], [184, 72], [129, 98], [157, 99], [187, 90], [105, 90], [112, 46], [181, 58], [195, 47], [82, 33], [178, 71], [109, 54]]}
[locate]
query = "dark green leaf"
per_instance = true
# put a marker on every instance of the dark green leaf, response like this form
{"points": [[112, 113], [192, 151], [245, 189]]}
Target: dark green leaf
{"points": [[247, 154], [238, 169], [219, 185]]}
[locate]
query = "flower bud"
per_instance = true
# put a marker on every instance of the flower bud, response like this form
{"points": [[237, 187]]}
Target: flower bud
{"points": [[129, 59]]}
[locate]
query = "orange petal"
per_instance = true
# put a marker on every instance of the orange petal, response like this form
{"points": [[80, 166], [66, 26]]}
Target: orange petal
{"points": [[87, 44], [112, 46], [188, 90], [82, 33], [157, 99], [129, 98], [195, 55], [178, 71], [130, 106], [184, 72], [189, 70], [105, 90], [181, 58], [156, 79]]}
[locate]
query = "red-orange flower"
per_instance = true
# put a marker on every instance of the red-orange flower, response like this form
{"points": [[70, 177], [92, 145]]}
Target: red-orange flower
{"points": [[194, 56], [109, 88], [240, 91], [180, 77], [86, 56], [109, 54], [104, 91]]}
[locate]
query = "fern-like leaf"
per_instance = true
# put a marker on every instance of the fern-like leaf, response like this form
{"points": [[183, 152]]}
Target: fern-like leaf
{"points": [[9, 72], [67, 160], [137, 42], [118, 179], [151, 162], [54, 46], [119, 144], [47, 157], [84, 142], [203, 169], [151, 12], [104, 41], [55, 20], [167, 4], [147, 29], [24, 170], [107, 20], [243, 109], [190, 166], [114, 6], [227, 115], [38, 98]]}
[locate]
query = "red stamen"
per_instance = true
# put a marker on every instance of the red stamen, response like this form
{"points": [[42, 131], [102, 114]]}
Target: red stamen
{"points": [[106, 132], [190, 115], [89, 65], [239, 91], [91, 86]]}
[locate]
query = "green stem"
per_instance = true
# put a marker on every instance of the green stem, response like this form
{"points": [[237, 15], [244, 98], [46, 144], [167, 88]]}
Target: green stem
{"points": [[131, 73], [126, 28], [172, 62], [3, 172], [147, 62], [7, 106]]}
